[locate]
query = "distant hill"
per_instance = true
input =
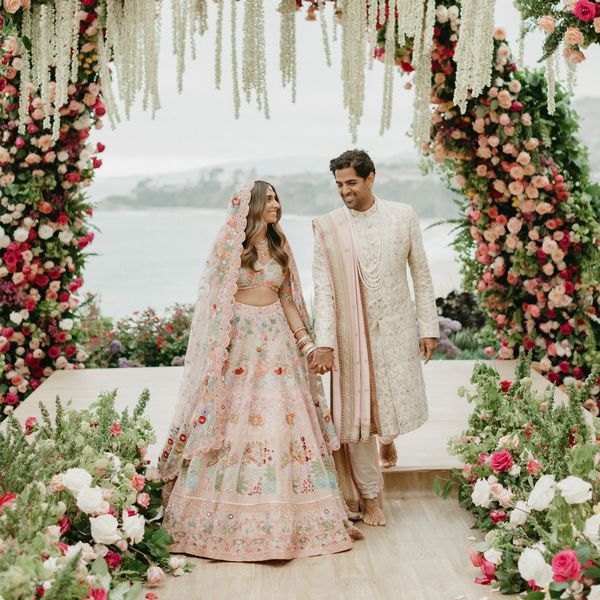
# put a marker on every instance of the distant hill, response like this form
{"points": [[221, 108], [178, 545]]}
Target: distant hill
{"points": [[304, 183]]}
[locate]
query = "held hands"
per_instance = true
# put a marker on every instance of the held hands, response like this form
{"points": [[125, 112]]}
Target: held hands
{"points": [[426, 347], [320, 361]]}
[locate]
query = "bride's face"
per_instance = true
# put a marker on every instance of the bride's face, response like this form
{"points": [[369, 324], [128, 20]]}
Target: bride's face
{"points": [[271, 212]]}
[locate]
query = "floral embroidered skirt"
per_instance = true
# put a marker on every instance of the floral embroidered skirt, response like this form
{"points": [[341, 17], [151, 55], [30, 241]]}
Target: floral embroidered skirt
{"points": [[270, 492]]}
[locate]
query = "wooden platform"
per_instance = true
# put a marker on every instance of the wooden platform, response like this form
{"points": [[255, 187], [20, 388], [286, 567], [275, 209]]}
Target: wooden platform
{"points": [[420, 555]]}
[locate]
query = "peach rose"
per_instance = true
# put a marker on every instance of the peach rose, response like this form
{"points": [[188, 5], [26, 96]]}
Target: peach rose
{"points": [[597, 24], [531, 191], [514, 225], [517, 172], [547, 23], [516, 188], [574, 37], [12, 6]]}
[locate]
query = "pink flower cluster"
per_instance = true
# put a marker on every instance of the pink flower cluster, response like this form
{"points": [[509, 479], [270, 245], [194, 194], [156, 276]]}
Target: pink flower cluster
{"points": [[43, 229], [520, 217]]}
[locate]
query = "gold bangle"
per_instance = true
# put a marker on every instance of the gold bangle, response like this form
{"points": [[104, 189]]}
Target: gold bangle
{"points": [[299, 329]]}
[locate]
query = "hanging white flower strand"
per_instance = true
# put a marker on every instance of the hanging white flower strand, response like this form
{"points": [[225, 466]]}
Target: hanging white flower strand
{"points": [[422, 64], [550, 84], [324, 34], [353, 60], [254, 64], [234, 60], [474, 50], [219, 43], [389, 63], [287, 45], [25, 71]]}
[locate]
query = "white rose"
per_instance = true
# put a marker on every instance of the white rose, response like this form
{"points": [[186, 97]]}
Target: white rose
{"points": [[16, 317], [51, 564], [66, 324], [481, 493], [543, 493], [493, 555], [87, 552], [519, 514], [515, 470], [176, 562], [594, 593], [591, 530], [91, 501], [441, 14], [105, 529], [21, 234], [575, 490], [62, 156], [532, 566], [65, 236], [453, 12], [134, 527], [76, 480], [45, 232]]}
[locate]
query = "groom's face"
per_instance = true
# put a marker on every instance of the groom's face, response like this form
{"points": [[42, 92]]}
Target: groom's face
{"points": [[353, 189]]}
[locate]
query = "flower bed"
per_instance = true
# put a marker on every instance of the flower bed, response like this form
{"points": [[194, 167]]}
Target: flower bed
{"points": [[78, 516], [531, 479]]}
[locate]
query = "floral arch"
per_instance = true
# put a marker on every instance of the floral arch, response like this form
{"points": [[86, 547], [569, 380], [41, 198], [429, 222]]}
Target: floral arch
{"points": [[529, 232]]}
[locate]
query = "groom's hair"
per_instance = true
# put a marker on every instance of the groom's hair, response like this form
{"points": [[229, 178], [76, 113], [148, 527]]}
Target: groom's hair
{"points": [[358, 160]]}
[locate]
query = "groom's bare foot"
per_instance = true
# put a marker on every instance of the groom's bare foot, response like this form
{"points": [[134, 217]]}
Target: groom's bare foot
{"points": [[373, 515], [388, 455]]}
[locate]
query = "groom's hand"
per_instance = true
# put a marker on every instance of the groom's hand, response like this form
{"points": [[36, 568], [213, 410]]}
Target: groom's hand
{"points": [[321, 361], [427, 346]]}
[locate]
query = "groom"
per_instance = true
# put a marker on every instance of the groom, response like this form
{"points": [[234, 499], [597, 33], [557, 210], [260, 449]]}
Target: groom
{"points": [[367, 333]]}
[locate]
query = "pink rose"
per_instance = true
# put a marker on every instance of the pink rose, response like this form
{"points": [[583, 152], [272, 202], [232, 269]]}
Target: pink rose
{"points": [[585, 10], [501, 461], [138, 481], [155, 575], [475, 557], [143, 499], [116, 429], [489, 572], [30, 424], [566, 566], [547, 23], [113, 559]]}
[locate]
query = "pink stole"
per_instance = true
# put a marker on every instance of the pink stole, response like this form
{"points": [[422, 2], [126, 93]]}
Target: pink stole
{"points": [[353, 386]]}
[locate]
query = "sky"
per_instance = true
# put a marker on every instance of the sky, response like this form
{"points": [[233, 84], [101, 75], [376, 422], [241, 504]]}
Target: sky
{"points": [[197, 128]]}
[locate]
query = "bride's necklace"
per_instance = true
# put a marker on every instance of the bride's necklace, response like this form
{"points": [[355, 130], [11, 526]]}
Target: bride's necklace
{"points": [[371, 275], [262, 249]]}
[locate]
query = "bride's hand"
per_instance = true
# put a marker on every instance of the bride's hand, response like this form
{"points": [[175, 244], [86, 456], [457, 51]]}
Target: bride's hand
{"points": [[321, 361]]}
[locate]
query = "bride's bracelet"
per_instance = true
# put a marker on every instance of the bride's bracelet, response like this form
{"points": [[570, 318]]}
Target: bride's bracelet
{"points": [[306, 350], [305, 339]]}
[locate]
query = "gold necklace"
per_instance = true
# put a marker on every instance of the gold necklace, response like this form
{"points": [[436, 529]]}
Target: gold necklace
{"points": [[262, 249]]}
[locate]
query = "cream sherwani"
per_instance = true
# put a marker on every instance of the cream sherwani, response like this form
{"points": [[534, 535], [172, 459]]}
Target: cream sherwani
{"points": [[394, 326]]}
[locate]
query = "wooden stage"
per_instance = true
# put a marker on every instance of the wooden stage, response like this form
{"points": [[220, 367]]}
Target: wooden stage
{"points": [[420, 555]]}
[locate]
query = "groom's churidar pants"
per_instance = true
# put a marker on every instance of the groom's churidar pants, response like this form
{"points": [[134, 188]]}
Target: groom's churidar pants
{"points": [[365, 467]]}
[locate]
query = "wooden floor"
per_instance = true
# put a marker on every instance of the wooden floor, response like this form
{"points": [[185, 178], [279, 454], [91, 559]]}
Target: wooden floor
{"points": [[420, 555]]}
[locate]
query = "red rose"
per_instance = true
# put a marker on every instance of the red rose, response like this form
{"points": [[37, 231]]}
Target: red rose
{"points": [[585, 10], [54, 352], [501, 461], [497, 516], [42, 280], [566, 566], [566, 329], [553, 377], [563, 365], [30, 423], [516, 106], [578, 373], [505, 385], [7, 500], [533, 466], [100, 147], [70, 351], [96, 162], [73, 177], [113, 559], [569, 287], [64, 524]]}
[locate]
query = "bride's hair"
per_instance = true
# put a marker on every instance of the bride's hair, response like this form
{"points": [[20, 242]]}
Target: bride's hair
{"points": [[254, 226]]}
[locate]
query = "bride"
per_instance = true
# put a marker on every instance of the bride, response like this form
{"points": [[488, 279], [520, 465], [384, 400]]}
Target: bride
{"points": [[248, 459]]}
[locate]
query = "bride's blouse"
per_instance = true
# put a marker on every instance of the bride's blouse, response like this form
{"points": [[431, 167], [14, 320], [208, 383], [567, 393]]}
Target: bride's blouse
{"points": [[270, 275]]}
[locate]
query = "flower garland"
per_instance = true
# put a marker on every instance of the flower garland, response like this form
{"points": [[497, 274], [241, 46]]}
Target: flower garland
{"points": [[529, 240]]}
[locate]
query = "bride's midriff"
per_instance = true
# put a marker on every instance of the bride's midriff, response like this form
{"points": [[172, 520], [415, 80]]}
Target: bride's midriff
{"points": [[256, 296]]}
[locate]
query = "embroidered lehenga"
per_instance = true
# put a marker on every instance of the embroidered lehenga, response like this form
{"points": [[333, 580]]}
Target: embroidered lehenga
{"points": [[249, 450]]}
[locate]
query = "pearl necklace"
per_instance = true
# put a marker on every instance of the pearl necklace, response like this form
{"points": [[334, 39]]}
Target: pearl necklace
{"points": [[372, 276], [262, 249]]}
